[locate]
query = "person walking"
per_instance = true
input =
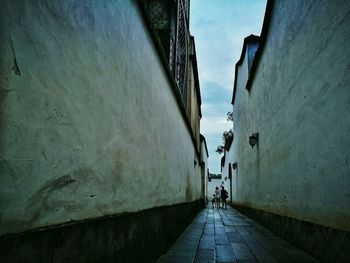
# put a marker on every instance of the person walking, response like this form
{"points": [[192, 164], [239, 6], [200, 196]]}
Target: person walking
{"points": [[224, 195], [213, 200], [217, 197]]}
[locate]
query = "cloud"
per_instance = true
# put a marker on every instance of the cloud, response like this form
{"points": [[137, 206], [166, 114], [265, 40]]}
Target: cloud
{"points": [[215, 126], [212, 128], [213, 92], [219, 28]]}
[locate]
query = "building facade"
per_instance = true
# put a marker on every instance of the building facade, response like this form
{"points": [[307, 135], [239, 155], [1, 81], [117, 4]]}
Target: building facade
{"points": [[99, 131], [204, 166], [226, 170], [290, 123]]}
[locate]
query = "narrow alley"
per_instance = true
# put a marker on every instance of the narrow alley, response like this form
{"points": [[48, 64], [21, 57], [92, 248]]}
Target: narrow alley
{"points": [[225, 235], [119, 120]]}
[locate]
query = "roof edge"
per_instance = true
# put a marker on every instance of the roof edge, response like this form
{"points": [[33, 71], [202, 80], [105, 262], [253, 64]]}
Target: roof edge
{"points": [[202, 138], [263, 36], [193, 57], [262, 41], [248, 39]]}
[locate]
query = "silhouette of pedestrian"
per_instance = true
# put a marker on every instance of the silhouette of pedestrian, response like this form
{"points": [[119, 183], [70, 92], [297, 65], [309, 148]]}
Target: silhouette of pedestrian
{"points": [[217, 197], [224, 195], [213, 201]]}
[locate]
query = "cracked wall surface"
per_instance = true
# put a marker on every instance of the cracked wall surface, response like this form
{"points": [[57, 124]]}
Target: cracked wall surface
{"points": [[89, 125]]}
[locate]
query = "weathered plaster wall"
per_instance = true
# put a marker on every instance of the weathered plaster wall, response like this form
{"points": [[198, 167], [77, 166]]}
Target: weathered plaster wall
{"points": [[89, 123], [204, 157], [299, 105], [229, 185], [192, 103]]}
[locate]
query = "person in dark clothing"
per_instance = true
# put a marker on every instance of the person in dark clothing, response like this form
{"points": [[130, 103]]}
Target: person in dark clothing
{"points": [[213, 201], [224, 195]]}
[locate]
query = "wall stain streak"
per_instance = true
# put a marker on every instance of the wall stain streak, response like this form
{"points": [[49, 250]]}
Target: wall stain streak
{"points": [[118, 166], [15, 68], [188, 190], [39, 201]]}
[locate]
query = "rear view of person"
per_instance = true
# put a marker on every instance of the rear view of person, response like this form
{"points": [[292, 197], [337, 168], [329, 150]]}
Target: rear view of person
{"points": [[217, 197], [224, 195], [213, 200]]}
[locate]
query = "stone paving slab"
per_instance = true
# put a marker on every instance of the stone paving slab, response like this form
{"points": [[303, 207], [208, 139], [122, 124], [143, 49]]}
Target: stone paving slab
{"points": [[224, 235]]}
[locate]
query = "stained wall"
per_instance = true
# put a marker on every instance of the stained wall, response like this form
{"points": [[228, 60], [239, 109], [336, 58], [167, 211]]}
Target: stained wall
{"points": [[90, 125], [299, 104]]}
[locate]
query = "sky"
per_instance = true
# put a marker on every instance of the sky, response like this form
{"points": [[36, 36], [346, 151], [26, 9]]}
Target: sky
{"points": [[219, 28]]}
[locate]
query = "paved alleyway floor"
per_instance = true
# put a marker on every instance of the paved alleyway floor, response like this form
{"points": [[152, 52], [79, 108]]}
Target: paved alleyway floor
{"points": [[224, 235]]}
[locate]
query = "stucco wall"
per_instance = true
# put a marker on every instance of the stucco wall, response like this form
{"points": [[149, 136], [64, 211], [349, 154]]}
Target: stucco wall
{"points": [[204, 167], [299, 105], [229, 185], [89, 123], [192, 103]]}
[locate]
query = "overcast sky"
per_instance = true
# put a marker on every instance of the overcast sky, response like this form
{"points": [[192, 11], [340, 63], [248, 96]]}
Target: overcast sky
{"points": [[219, 27]]}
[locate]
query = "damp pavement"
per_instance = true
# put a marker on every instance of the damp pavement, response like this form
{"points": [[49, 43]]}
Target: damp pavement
{"points": [[224, 235]]}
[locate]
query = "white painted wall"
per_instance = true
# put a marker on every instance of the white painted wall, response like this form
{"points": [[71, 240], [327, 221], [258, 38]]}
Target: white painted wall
{"points": [[225, 173], [299, 104], [204, 156], [91, 126]]}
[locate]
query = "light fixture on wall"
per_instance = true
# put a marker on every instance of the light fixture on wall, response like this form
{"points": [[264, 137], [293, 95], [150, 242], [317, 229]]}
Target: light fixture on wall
{"points": [[254, 139], [195, 162], [234, 166]]}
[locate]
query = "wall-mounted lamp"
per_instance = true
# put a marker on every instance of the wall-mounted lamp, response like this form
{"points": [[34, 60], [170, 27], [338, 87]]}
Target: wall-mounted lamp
{"points": [[253, 139], [234, 165], [195, 162]]}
